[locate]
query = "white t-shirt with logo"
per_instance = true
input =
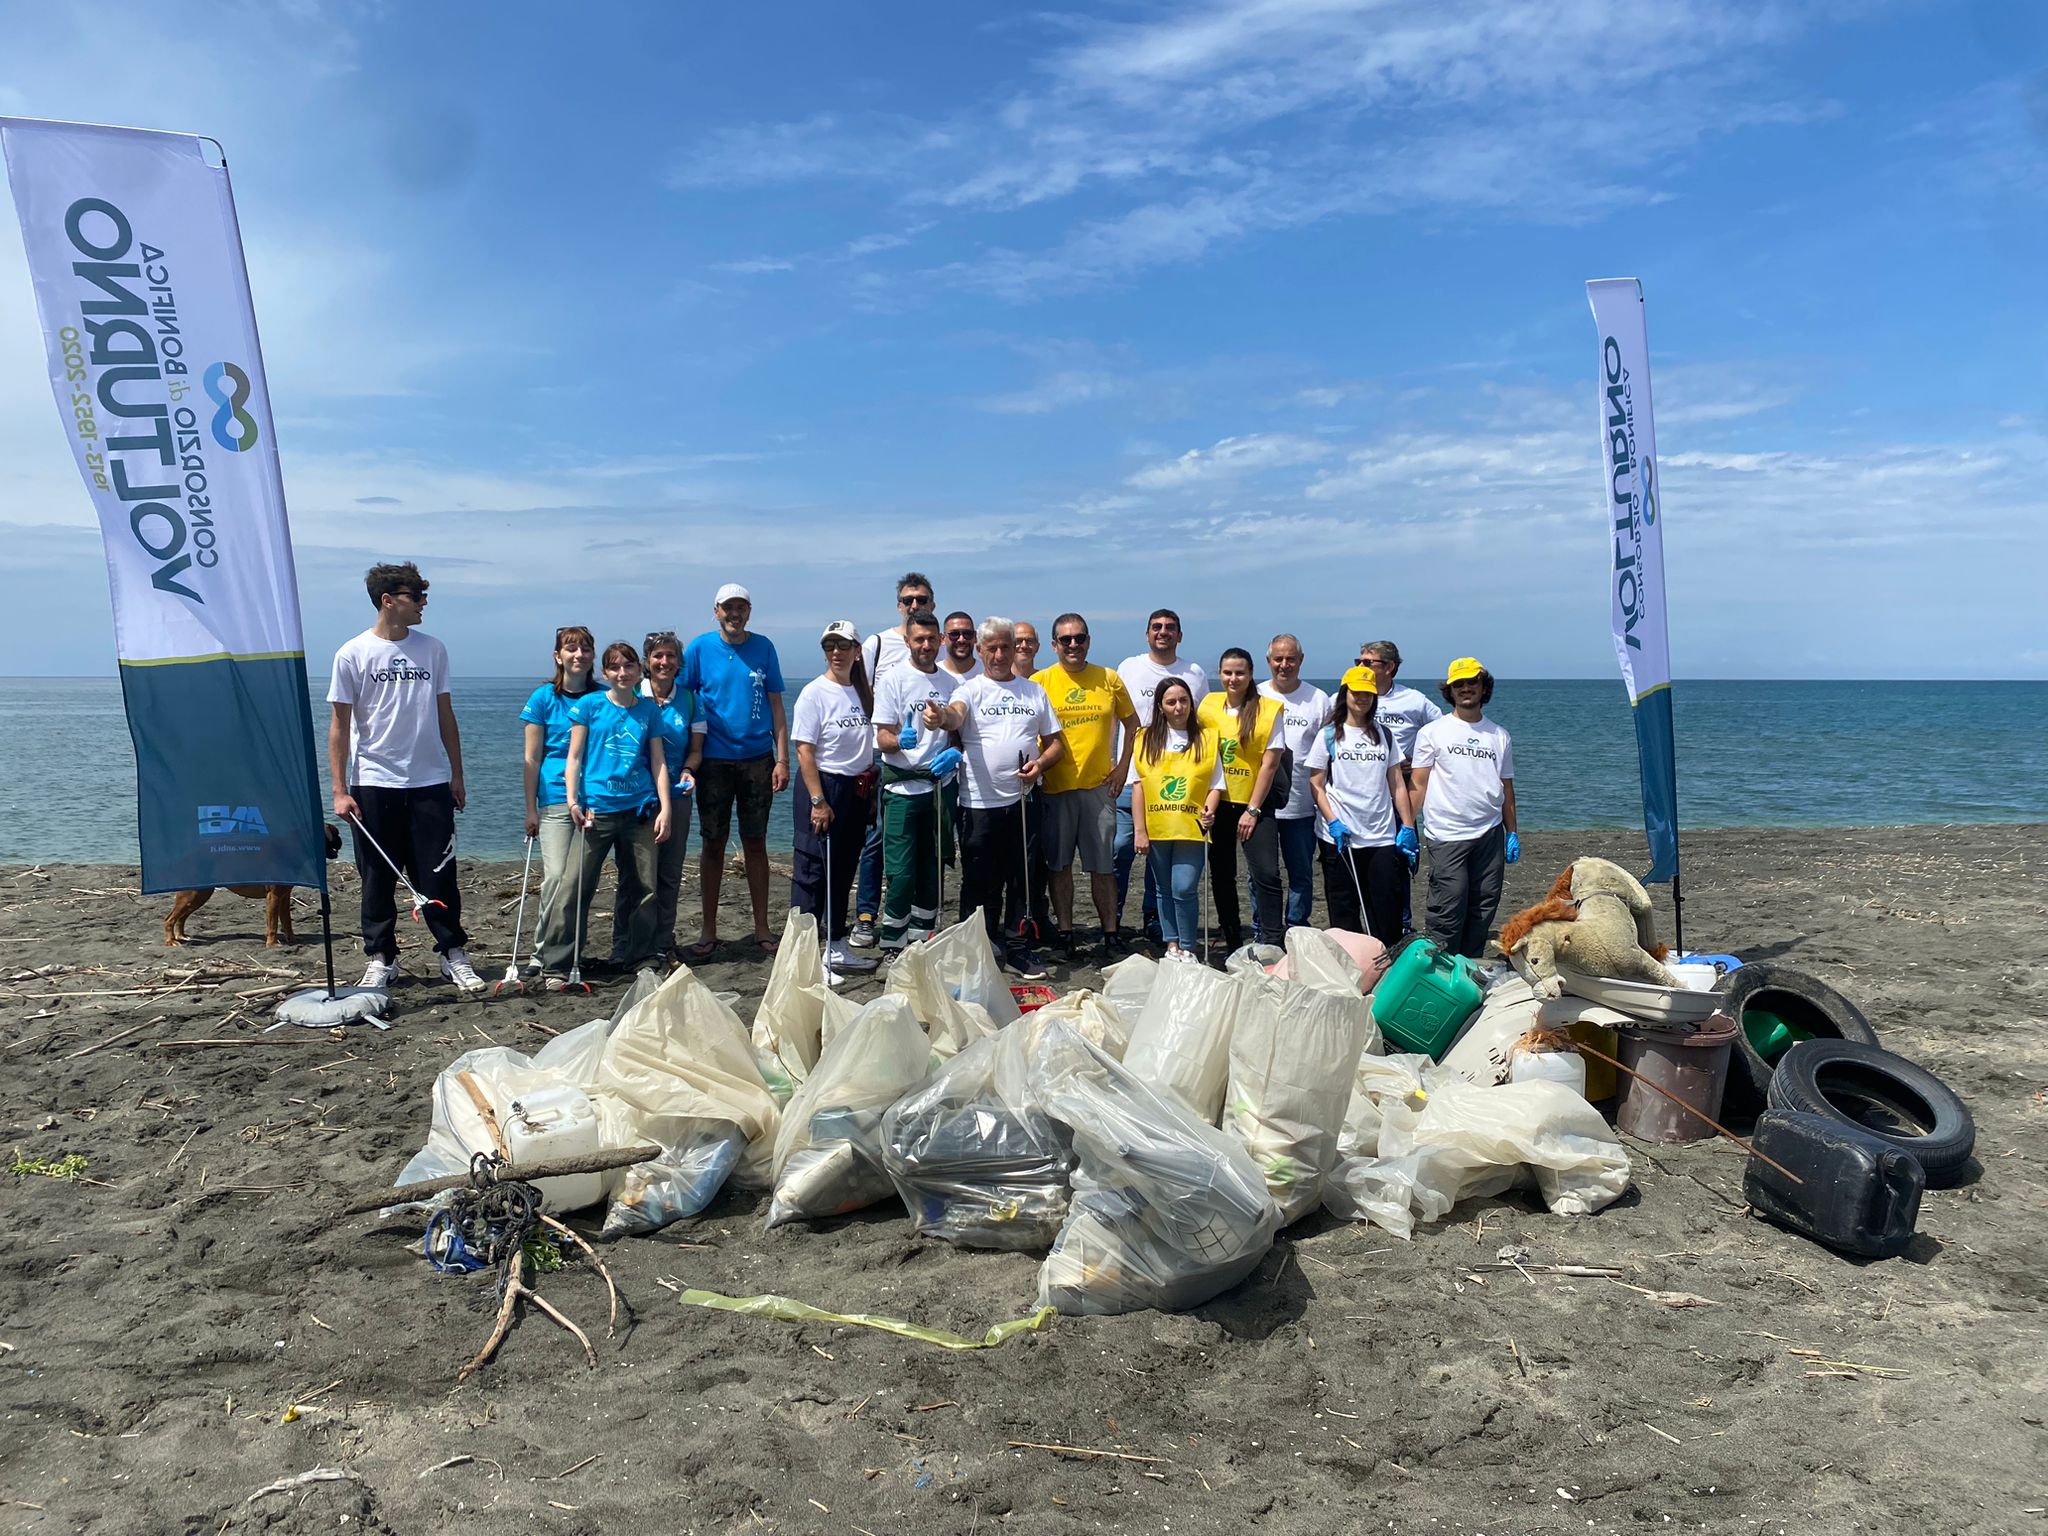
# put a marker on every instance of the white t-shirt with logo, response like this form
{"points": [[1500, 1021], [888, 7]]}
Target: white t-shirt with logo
{"points": [[393, 690], [1142, 677], [900, 699], [1303, 714], [1357, 785], [883, 651], [1406, 712], [1003, 720], [832, 720], [1468, 767], [975, 669]]}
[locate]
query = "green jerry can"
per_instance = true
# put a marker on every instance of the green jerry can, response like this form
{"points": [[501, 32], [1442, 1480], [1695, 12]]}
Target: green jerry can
{"points": [[1426, 997]]}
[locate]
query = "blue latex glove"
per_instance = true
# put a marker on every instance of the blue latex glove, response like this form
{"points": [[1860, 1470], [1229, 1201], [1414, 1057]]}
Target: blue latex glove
{"points": [[1410, 846], [1338, 832], [945, 765], [906, 736], [1514, 848]]}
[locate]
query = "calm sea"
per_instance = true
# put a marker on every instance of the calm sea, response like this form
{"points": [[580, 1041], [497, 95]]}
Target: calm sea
{"points": [[1789, 754]]}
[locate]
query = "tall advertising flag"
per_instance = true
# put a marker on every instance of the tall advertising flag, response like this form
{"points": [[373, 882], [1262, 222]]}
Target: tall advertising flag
{"points": [[1635, 531], [137, 265]]}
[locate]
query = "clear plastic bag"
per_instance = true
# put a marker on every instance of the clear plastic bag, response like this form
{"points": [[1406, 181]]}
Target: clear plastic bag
{"points": [[828, 1157], [1127, 984], [1181, 1042], [1168, 1212], [1094, 1018], [954, 987], [1293, 1054], [799, 1011], [975, 1160], [694, 1164], [1377, 1079]]}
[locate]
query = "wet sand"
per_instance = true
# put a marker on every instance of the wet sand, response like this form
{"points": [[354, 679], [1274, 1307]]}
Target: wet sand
{"points": [[159, 1314]]}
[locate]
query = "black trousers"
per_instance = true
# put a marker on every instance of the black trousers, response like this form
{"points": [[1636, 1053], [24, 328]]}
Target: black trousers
{"points": [[1383, 877], [1262, 858], [416, 827], [993, 873], [1464, 890], [851, 811]]}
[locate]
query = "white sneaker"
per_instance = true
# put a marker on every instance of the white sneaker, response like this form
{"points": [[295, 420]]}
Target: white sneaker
{"points": [[379, 974], [455, 967]]}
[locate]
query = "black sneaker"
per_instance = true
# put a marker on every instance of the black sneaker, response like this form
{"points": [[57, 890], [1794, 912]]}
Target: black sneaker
{"points": [[863, 935], [1023, 964], [1068, 946], [1154, 934]]}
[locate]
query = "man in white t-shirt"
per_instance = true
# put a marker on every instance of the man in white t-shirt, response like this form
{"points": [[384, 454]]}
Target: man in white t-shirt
{"points": [[1464, 793], [1008, 735], [394, 757], [918, 791], [961, 655], [1404, 712], [882, 653], [1304, 711], [1142, 675]]}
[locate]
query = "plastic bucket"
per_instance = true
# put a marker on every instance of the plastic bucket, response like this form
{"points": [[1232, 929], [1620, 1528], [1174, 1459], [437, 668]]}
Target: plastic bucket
{"points": [[1691, 1065], [1602, 1081]]}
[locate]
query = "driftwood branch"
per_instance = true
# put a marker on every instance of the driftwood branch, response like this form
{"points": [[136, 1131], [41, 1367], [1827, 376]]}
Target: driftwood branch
{"points": [[406, 1194]]}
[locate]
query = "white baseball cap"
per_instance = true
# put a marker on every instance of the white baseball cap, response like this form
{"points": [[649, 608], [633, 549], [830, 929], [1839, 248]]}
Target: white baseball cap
{"points": [[841, 629], [729, 592]]}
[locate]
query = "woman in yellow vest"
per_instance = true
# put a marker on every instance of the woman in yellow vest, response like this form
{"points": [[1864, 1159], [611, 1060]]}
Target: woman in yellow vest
{"points": [[1247, 728], [1180, 783]]}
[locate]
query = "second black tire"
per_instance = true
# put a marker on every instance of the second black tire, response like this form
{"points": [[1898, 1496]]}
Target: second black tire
{"points": [[1803, 1001], [1894, 1099]]}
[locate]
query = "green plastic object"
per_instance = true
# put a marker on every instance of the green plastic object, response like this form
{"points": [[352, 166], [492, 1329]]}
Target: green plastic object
{"points": [[1770, 1036], [1426, 997]]}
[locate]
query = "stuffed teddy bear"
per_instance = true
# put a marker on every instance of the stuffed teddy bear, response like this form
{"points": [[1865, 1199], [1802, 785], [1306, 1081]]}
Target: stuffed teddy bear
{"points": [[1596, 921]]}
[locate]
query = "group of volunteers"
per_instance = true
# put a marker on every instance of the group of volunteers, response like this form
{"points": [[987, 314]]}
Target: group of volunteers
{"points": [[934, 746]]}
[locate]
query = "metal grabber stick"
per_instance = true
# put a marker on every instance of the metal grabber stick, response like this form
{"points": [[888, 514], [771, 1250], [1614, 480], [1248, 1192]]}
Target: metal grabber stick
{"points": [[1207, 833], [511, 976], [1351, 864], [1024, 934], [419, 903], [832, 977], [576, 982]]}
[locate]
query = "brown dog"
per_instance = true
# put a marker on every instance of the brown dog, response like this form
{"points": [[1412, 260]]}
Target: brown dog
{"points": [[277, 904]]}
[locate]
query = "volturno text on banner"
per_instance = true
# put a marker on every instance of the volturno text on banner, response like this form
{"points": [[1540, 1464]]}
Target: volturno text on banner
{"points": [[139, 280]]}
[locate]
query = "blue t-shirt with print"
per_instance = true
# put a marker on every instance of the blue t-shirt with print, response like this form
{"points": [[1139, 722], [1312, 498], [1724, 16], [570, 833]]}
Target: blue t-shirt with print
{"points": [[549, 709], [677, 716], [732, 684], [618, 774]]}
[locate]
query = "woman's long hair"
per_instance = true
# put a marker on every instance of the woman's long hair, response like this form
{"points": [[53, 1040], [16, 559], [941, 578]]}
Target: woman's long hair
{"points": [[1372, 715], [563, 636], [1153, 742], [1247, 712]]}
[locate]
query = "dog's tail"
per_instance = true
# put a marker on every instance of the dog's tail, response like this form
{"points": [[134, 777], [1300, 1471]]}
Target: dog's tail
{"points": [[1551, 909]]}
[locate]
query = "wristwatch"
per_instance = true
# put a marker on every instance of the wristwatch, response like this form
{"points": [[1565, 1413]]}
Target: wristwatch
{"points": [[1254, 811]]}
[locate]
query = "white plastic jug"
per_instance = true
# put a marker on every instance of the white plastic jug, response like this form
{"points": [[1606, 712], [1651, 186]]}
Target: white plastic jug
{"points": [[550, 1122], [1566, 1067]]}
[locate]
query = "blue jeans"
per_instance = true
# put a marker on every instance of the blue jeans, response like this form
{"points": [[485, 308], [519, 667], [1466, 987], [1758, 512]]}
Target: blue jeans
{"points": [[1177, 868], [1126, 855], [1298, 853], [868, 896]]}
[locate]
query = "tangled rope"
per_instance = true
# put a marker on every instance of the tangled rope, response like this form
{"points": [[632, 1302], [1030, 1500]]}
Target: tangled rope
{"points": [[485, 1224]]}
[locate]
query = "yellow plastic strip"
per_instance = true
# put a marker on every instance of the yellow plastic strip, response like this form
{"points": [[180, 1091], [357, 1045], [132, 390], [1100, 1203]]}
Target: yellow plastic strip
{"points": [[781, 1307], [180, 661]]}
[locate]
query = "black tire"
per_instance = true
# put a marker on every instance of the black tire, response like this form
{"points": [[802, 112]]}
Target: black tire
{"points": [[1799, 999], [1897, 1101]]}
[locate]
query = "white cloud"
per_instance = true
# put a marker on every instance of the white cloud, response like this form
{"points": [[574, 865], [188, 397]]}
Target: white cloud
{"points": [[1055, 392], [1232, 456]]}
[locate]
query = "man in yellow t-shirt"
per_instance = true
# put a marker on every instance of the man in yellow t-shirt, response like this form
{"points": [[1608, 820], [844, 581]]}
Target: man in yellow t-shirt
{"points": [[1081, 787]]}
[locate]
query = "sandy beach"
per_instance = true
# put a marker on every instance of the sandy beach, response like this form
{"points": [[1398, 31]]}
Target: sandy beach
{"points": [[160, 1314]]}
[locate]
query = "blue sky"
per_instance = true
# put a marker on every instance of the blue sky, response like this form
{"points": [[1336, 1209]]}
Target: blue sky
{"points": [[1268, 310]]}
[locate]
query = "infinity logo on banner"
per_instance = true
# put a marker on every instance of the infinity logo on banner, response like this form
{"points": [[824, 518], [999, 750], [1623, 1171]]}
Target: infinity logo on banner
{"points": [[243, 438]]}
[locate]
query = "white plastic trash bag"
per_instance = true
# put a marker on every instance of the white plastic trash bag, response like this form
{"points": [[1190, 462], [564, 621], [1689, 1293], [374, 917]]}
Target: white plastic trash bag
{"points": [[1465, 1140], [975, 1160], [798, 1012], [954, 987], [1293, 1054], [1378, 1079], [1167, 1211], [681, 1060], [1094, 1018], [828, 1157], [1330, 963], [1181, 1042], [1128, 983]]}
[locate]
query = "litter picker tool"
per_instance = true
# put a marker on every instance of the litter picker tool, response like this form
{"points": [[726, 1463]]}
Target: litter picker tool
{"points": [[511, 976], [1351, 864], [576, 983], [832, 977], [1204, 877], [419, 903], [1024, 924]]}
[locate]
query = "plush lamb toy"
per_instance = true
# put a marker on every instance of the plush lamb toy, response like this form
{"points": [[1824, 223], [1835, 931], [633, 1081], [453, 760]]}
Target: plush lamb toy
{"points": [[1595, 921]]}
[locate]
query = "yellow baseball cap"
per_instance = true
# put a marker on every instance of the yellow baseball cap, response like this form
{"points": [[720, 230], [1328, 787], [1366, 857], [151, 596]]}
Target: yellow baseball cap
{"points": [[1462, 668], [1361, 680]]}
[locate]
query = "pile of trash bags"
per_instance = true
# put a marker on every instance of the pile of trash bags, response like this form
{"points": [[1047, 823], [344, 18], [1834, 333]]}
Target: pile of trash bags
{"points": [[1150, 1139]]}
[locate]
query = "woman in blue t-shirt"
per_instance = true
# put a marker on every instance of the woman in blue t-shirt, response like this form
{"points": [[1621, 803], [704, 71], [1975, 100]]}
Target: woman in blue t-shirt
{"points": [[546, 722], [618, 789]]}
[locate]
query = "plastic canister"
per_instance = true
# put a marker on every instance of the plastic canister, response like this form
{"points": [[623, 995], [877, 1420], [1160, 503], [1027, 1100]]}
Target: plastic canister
{"points": [[1566, 1067], [552, 1122], [1602, 1081], [1691, 1064], [1426, 997]]}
